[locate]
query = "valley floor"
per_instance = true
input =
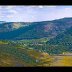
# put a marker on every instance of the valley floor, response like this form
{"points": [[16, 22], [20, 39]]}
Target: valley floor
{"points": [[62, 61], [9, 61], [12, 55]]}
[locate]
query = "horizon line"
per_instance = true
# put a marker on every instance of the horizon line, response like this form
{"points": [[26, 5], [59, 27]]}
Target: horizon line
{"points": [[37, 21]]}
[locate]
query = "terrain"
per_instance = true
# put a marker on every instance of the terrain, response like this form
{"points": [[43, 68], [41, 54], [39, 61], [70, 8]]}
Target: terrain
{"points": [[46, 43]]}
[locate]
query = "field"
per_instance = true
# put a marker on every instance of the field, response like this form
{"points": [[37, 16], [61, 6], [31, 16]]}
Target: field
{"points": [[15, 54]]}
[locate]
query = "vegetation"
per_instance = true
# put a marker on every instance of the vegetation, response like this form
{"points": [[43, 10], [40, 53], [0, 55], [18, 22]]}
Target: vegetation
{"points": [[47, 43]]}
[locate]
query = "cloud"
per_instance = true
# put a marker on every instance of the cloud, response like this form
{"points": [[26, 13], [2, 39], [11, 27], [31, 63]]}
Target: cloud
{"points": [[0, 7], [21, 17], [13, 11], [40, 6], [7, 9], [10, 7], [9, 16], [34, 13], [68, 8], [51, 6]]}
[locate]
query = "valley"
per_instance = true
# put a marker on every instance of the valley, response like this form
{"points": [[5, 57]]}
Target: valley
{"points": [[46, 43], [16, 54]]}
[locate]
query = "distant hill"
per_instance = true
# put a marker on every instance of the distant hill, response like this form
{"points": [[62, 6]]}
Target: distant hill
{"points": [[64, 38], [34, 30], [10, 26], [62, 42]]}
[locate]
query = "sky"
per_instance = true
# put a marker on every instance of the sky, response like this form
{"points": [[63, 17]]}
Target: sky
{"points": [[34, 13]]}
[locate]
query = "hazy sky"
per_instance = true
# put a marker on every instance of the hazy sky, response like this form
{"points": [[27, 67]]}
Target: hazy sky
{"points": [[34, 13]]}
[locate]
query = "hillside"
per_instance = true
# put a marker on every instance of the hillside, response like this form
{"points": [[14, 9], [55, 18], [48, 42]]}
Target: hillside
{"points": [[36, 30], [16, 55], [46, 43], [10, 26], [64, 40]]}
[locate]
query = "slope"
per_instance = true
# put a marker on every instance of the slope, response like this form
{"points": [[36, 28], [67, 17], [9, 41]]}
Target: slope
{"points": [[37, 30]]}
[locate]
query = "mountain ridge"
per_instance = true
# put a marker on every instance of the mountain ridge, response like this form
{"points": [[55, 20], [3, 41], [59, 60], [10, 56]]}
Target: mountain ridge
{"points": [[35, 30]]}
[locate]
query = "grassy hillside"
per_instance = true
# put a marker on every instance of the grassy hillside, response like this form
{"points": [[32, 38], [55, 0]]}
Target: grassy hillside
{"points": [[13, 55]]}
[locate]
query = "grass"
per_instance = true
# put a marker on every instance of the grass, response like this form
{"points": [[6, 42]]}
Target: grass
{"points": [[12, 55]]}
